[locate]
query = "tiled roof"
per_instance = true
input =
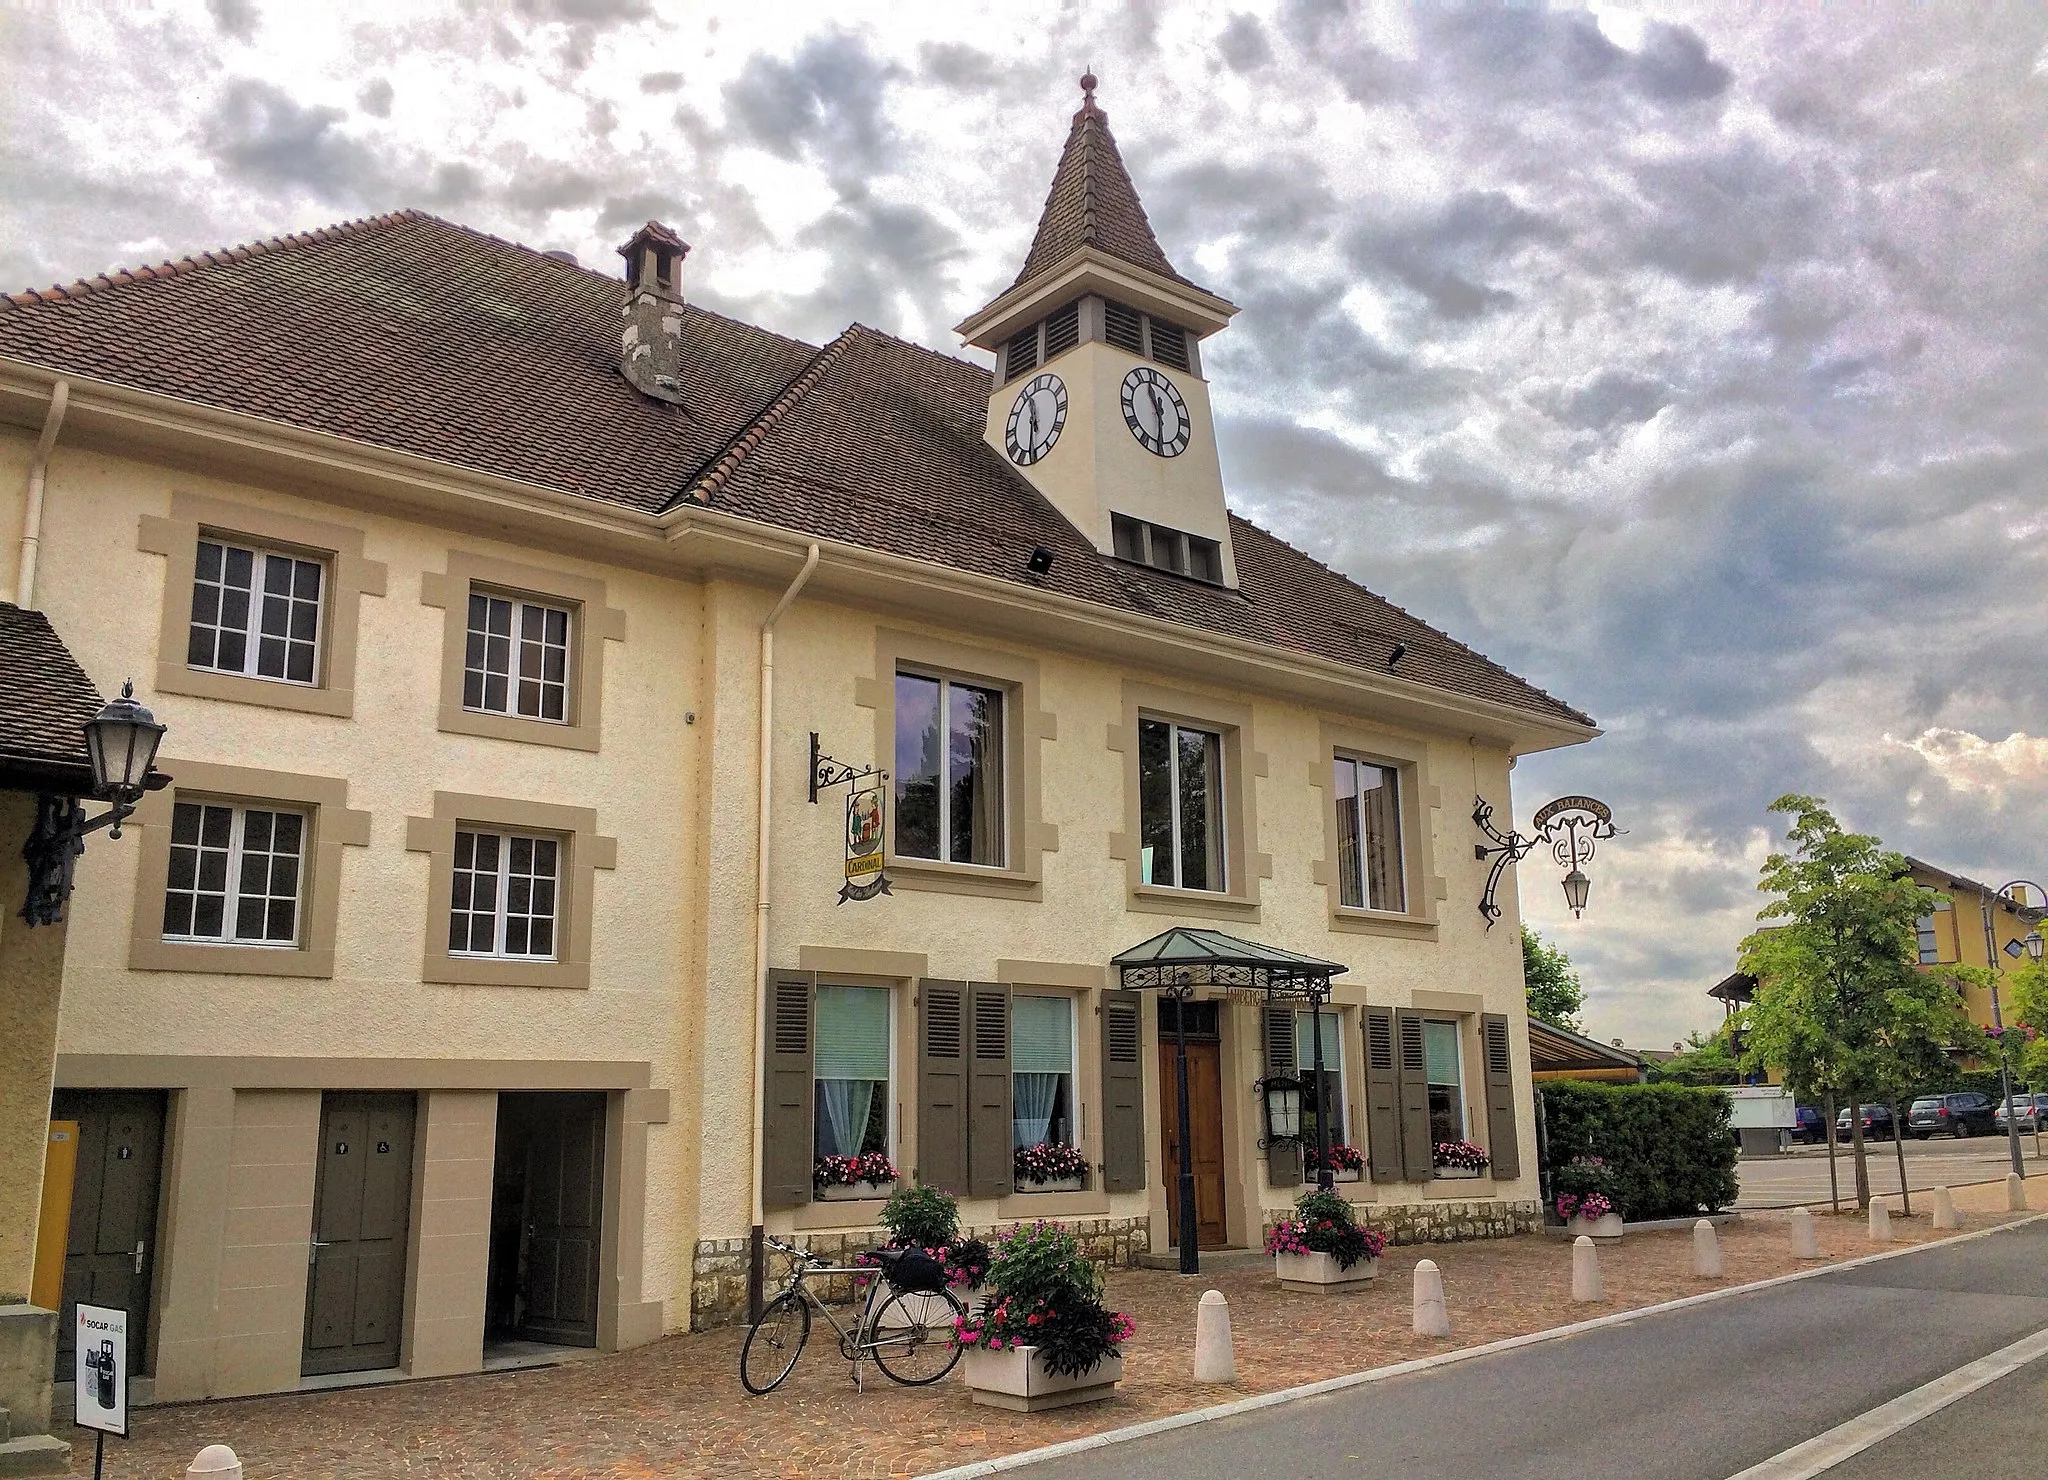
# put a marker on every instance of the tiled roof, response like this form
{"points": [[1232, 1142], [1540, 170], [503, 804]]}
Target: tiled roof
{"points": [[45, 697], [1093, 203], [412, 333]]}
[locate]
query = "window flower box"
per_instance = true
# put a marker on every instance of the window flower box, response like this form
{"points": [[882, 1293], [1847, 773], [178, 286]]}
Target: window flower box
{"points": [[1453, 1173], [850, 1178], [1347, 1164], [1049, 1166], [1318, 1273], [1075, 1183], [1018, 1380], [1455, 1159], [1308, 1179], [854, 1191]]}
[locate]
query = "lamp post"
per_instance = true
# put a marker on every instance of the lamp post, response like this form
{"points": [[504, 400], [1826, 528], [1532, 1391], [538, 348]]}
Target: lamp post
{"points": [[121, 742], [1190, 1255], [2032, 947]]}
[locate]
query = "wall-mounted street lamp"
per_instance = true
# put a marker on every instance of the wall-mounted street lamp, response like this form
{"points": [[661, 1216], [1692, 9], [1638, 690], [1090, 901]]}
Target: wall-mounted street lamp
{"points": [[2030, 945], [121, 741], [1569, 826], [1282, 1096]]}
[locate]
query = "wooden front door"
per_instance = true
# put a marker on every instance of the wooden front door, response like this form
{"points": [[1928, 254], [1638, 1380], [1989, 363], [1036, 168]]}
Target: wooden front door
{"points": [[547, 1218], [1205, 1123], [110, 1255], [362, 1210]]}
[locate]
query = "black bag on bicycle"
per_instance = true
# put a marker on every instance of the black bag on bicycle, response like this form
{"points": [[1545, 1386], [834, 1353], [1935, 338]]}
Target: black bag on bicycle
{"points": [[912, 1271]]}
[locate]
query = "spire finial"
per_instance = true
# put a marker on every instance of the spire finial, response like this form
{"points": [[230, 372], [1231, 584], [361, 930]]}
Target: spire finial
{"points": [[1088, 88]]}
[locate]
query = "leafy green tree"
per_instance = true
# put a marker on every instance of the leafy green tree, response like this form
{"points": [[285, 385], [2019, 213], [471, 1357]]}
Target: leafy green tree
{"points": [[1706, 1060], [1839, 1006], [1555, 993], [2028, 987]]}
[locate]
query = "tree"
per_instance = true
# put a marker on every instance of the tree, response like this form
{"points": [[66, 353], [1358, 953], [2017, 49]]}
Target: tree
{"points": [[1555, 992], [2029, 999], [1839, 1006], [1706, 1061]]}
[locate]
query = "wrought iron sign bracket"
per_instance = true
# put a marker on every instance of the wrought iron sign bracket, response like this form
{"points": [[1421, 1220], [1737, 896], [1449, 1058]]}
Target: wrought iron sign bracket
{"points": [[866, 824], [1568, 826], [827, 773]]}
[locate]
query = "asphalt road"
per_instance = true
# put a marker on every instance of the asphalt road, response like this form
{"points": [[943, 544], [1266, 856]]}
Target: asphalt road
{"points": [[1999, 1432], [1694, 1394], [1802, 1177]]}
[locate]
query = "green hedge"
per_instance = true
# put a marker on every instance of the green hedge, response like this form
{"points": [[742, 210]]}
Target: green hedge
{"points": [[1668, 1148]]}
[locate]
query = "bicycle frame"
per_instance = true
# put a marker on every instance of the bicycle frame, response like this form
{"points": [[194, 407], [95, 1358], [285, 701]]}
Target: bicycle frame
{"points": [[857, 1344]]}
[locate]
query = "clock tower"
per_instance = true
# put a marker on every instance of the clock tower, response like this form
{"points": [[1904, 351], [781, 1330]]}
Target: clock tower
{"points": [[1098, 396]]}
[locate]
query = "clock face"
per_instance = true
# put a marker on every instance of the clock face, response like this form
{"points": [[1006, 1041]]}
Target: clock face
{"points": [[1155, 413], [1036, 419]]}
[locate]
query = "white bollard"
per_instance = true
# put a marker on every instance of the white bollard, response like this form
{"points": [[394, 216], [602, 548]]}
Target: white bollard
{"points": [[1945, 1215], [1880, 1223], [1432, 1313], [1805, 1237], [1586, 1283], [1706, 1251], [2015, 1192], [1215, 1359], [215, 1462]]}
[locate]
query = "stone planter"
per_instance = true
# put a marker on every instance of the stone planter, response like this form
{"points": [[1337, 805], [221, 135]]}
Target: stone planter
{"points": [[1318, 1274], [1074, 1183], [852, 1191], [1452, 1174], [1017, 1380], [1606, 1229]]}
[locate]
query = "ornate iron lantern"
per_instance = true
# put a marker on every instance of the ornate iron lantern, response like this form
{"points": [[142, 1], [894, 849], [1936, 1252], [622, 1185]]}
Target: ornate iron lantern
{"points": [[1569, 826]]}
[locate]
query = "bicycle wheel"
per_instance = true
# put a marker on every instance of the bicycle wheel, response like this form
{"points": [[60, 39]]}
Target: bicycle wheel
{"points": [[775, 1342], [913, 1336]]}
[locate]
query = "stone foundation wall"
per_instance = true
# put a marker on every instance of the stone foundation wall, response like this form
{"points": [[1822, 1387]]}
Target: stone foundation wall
{"points": [[1440, 1222], [718, 1270]]}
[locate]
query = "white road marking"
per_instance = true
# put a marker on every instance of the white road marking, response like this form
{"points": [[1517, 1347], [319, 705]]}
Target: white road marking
{"points": [[1844, 1441]]}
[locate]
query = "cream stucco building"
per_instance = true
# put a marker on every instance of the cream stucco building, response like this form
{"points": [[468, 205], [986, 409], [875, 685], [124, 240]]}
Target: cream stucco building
{"points": [[481, 980]]}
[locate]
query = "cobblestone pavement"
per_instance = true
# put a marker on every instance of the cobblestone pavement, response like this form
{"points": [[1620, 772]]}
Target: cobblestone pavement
{"points": [[676, 1407]]}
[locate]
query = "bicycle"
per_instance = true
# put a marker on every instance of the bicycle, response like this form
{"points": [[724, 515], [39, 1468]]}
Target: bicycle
{"points": [[909, 1334]]}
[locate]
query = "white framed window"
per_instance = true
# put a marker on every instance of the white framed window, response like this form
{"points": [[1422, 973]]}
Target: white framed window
{"points": [[256, 613], [506, 895], [1929, 947], [852, 1059], [949, 771], [1042, 1102], [236, 875], [1324, 1096], [1369, 868], [1180, 806], [1444, 1054], [516, 659]]}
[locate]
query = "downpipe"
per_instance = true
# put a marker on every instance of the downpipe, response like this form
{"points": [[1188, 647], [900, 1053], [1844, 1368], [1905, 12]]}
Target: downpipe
{"points": [[32, 513]]}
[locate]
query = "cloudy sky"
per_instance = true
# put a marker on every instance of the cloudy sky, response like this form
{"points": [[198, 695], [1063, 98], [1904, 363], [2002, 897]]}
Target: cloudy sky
{"points": [[1691, 362]]}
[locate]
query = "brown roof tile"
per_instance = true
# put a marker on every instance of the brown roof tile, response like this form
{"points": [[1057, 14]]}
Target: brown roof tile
{"points": [[45, 697]]}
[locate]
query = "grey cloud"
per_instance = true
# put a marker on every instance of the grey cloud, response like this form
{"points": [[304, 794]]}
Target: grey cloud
{"points": [[236, 18], [1242, 44], [1674, 66], [824, 103], [375, 98], [957, 65], [661, 82], [260, 134], [1444, 256], [1608, 396]]}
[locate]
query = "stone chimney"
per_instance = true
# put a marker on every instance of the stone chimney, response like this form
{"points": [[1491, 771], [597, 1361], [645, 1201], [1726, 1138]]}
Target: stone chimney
{"points": [[651, 337]]}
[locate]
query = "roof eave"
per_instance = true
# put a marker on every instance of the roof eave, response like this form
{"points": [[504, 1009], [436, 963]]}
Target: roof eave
{"points": [[1091, 270]]}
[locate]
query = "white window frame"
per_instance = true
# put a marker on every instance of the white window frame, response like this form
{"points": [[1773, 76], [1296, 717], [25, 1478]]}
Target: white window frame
{"points": [[889, 1128], [252, 628], [1073, 1071], [945, 681], [499, 913], [1400, 870], [1174, 728], [232, 892], [520, 605], [1464, 1103]]}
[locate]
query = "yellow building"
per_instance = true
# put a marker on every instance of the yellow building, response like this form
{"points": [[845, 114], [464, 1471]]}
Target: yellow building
{"points": [[484, 978], [1954, 934]]}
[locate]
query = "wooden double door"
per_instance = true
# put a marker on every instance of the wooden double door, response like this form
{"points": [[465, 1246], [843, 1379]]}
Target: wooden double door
{"points": [[362, 1213], [547, 1218], [110, 1250], [1205, 1129]]}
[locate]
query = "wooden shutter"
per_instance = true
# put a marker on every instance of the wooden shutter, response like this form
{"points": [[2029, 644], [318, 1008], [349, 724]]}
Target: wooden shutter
{"points": [[990, 1152], [942, 1085], [1418, 1160], [1123, 1093], [1503, 1142], [786, 1111], [1283, 1158], [1382, 1096]]}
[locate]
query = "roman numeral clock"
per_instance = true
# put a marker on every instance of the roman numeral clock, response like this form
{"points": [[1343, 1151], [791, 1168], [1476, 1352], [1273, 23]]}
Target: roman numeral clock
{"points": [[1036, 419], [1155, 412]]}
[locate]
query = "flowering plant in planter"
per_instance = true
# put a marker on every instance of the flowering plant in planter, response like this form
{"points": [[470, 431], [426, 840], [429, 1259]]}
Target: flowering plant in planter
{"points": [[1461, 1154], [1049, 1161], [1591, 1206], [848, 1171], [1342, 1159], [1323, 1223], [928, 1218], [1584, 1188], [1045, 1293]]}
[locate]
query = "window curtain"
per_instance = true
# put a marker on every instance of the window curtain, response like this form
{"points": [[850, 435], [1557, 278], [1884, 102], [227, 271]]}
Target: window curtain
{"points": [[1041, 1055], [1350, 883], [1379, 801], [975, 744], [852, 1063]]}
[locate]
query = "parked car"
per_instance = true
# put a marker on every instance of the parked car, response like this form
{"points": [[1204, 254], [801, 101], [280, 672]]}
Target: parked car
{"points": [[1809, 1125], [1877, 1123], [1965, 1113], [2030, 1110]]}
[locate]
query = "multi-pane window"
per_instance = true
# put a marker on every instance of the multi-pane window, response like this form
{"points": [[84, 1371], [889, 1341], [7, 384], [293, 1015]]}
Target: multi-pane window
{"points": [[255, 613], [1322, 1096], [1042, 1071], [851, 1065], [1166, 549], [517, 658], [1180, 805], [1929, 948], [949, 770], [1369, 872], [1445, 1062], [235, 874], [504, 896]]}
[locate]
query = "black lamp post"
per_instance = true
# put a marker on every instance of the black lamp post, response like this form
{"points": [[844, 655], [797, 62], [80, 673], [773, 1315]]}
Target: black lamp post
{"points": [[1190, 1256], [121, 742], [2031, 946]]}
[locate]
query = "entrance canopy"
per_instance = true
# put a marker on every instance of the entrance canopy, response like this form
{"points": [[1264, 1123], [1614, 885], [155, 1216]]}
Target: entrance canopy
{"points": [[1183, 959]]}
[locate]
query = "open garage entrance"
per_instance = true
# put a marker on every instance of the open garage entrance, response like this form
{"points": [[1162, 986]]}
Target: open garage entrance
{"points": [[547, 1213]]}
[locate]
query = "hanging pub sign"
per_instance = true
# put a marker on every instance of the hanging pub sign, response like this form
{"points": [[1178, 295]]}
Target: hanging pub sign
{"points": [[866, 821]]}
